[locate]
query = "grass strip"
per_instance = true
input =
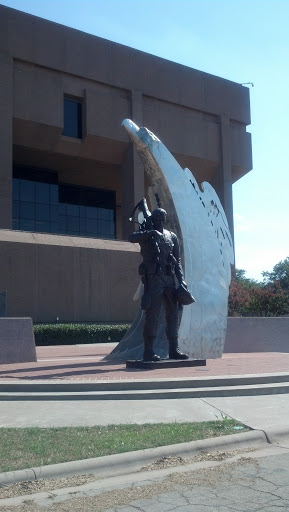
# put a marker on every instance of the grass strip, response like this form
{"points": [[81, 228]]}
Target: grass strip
{"points": [[22, 448]]}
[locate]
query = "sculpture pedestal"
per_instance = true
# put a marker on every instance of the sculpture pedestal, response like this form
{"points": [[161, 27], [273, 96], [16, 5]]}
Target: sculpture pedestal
{"points": [[164, 363], [17, 341]]}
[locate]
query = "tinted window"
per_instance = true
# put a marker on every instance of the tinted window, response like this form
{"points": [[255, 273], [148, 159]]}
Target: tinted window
{"points": [[72, 118], [40, 204]]}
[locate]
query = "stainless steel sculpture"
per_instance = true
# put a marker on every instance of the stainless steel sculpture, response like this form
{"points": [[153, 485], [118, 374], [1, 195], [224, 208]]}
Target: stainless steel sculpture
{"points": [[197, 217]]}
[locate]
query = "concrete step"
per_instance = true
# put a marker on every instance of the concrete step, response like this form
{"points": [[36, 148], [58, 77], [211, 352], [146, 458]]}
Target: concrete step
{"points": [[149, 394], [73, 386]]}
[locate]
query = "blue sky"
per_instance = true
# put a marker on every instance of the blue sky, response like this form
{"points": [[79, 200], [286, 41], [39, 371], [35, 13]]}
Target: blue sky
{"points": [[241, 40]]}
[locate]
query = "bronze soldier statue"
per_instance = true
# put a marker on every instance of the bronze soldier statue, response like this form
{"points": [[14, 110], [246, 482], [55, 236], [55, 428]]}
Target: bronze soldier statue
{"points": [[161, 264]]}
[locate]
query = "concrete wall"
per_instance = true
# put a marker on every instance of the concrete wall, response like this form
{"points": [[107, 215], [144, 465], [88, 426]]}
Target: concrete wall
{"points": [[250, 334], [75, 279]]}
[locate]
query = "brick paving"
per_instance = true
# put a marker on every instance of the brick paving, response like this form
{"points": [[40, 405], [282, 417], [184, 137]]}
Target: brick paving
{"points": [[84, 363]]}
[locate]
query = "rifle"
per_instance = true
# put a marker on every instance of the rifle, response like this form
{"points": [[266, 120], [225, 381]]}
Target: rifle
{"points": [[144, 216]]}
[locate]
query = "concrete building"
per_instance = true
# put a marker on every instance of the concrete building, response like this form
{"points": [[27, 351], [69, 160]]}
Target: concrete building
{"points": [[69, 176]]}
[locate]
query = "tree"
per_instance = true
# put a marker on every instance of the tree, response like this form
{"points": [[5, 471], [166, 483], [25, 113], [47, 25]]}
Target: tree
{"points": [[238, 297], [246, 281], [247, 297], [280, 273]]}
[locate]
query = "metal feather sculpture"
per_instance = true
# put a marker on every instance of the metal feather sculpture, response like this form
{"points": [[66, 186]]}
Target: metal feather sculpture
{"points": [[197, 217]]}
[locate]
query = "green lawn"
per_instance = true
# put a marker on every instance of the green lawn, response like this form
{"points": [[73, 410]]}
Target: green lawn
{"points": [[27, 447]]}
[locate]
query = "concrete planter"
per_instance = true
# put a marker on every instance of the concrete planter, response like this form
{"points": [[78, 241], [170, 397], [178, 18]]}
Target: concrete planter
{"points": [[257, 334], [17, 343]]}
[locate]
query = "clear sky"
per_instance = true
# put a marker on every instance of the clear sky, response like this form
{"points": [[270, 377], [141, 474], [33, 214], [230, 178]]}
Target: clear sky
{"points": [[240, 40]]}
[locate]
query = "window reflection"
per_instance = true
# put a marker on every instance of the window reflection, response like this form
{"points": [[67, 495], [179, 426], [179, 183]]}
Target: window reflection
{"points": [[42, 205]]}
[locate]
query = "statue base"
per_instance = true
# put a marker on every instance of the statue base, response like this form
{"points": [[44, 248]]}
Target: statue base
{"points": [[164, 363]]}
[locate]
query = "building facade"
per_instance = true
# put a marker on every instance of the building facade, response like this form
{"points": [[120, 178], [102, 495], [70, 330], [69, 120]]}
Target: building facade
{"points": [[69, 176]]}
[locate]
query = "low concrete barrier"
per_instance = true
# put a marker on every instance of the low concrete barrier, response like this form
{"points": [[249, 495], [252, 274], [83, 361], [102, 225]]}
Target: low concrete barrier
{"points": [[17, 344], [257, 334]]}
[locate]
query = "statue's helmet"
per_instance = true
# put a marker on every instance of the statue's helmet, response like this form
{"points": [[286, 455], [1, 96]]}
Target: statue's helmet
{"points": [[159, 214]]}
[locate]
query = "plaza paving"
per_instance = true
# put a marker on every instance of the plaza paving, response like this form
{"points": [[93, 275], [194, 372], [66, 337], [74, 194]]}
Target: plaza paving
{"points": [[84, 362]]}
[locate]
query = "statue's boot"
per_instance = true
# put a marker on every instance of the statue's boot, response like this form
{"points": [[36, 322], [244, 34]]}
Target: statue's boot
{"points": [[174, 351], [149, 354]]}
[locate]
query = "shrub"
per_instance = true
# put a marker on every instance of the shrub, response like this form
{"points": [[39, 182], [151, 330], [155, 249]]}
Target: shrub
{"points": [[268, 300], [71, 334], [238, 298]]}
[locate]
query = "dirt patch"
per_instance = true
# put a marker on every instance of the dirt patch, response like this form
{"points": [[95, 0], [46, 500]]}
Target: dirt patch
{"points": [[41, 485], [169, 462]]}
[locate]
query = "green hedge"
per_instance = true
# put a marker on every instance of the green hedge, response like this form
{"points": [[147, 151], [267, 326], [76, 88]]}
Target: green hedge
{"points": [[71, 334]]}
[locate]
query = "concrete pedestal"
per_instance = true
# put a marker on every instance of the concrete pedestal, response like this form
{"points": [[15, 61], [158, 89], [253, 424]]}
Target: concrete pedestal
{"points": [[17, 344]]}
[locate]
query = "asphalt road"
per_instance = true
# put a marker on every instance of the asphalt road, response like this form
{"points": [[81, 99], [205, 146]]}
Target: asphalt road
{"points": [[248, 482]]}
